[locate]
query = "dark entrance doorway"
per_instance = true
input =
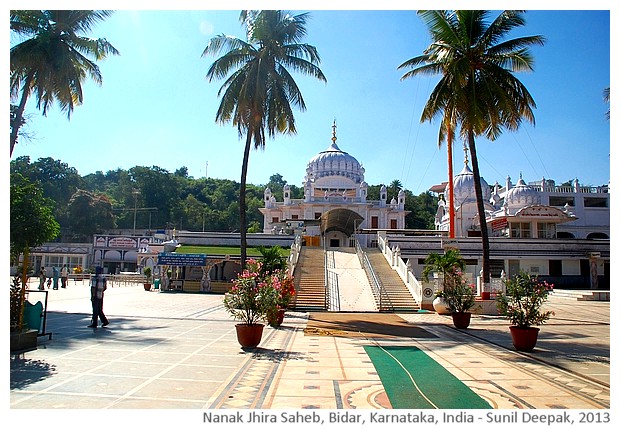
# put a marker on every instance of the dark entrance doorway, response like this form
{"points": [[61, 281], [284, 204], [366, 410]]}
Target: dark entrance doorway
{"points": [[334, 242]]}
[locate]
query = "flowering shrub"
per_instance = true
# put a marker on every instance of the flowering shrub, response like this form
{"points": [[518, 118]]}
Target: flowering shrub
{"points": [[459, 295], [284, 286], [256, 293], [522, 303], [249, 298]]}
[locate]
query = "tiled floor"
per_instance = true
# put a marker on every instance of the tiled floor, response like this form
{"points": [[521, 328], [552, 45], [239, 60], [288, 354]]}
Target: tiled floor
{"points": [[177, 351]]}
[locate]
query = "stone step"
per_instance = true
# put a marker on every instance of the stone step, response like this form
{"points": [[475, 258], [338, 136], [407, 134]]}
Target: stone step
{"points": [[399, 296], [310, 281], [581, 295]]}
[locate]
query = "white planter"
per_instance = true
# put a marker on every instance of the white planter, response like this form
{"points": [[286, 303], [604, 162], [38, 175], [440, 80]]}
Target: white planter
{"points": [[440, 306]]}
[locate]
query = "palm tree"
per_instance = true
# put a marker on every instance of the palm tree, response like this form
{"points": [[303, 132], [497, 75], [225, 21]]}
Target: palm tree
{"points": [[259, 94], [606, 100], [53, 61], [395, 187], [477, 90], [448, 265]]}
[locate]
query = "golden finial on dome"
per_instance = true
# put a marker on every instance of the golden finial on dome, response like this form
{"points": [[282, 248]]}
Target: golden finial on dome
{"points": [[334, 138], [466, 160]]}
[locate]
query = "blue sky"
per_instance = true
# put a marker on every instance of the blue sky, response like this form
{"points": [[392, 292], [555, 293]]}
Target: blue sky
{"points": [[156, 107]]}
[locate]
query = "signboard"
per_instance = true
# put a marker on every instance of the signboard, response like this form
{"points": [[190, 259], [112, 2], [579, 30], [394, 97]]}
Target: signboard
{"points": [[123, 242], [182, 259], [498, 224]]}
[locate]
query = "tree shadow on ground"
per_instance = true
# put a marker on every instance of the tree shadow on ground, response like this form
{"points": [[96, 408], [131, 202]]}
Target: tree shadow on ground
{"points": [[25, 372]]}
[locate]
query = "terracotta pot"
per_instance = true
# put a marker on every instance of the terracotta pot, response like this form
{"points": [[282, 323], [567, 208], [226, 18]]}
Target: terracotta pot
{"points": [[461, 320], [524, 339], [276, 319], [485, 295], [249, 336], [147, 286]]}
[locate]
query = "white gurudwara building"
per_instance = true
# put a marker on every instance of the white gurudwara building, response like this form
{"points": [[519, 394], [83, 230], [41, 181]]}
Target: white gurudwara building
{"points": [[335, 202], [537, 210]]}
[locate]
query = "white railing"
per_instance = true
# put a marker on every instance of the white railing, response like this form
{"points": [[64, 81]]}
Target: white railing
{"points": [[293, 258], [401, 267]]}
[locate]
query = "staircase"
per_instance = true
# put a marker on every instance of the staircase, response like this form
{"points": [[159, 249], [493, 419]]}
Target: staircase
{"points": [[309, 281], [581, 295], [400, 299]]}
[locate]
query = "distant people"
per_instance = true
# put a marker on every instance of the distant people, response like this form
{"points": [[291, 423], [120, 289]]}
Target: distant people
{"points": [[55, 274], [64, 276], [97, 288], [42, 278]]}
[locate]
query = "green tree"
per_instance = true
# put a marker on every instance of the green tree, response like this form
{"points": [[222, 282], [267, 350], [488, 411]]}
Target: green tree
{"points": [[477, 90], [90, 213], [31, 224], [423, 208], [54, 60], [57, 179], [259, 94], [394, 188]]}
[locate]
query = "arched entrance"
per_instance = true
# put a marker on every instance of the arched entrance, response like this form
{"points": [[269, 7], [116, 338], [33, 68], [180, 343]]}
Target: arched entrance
{"points": [[338, 225]]}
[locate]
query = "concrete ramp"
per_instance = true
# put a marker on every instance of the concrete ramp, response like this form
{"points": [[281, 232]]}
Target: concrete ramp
{"points": [[355, 292]]}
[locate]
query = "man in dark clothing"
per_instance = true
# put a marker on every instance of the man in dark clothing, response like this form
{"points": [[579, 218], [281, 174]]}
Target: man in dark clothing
{"points": [[97, 287]]}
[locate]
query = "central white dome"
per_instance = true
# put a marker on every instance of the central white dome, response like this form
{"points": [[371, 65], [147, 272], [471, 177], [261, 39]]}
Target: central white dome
{"points": [[334, 162]]}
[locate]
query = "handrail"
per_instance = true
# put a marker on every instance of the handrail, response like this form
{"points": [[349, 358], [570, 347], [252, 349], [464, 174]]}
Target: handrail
{"points": [[385, 304], [326, 279], [332, 290]]}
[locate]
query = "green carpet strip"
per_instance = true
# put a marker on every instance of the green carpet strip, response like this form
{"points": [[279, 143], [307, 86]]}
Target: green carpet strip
{"points": [[412, 380]]}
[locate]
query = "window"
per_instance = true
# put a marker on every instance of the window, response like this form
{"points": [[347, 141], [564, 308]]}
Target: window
{"points": [[317, 215], [295, 217], [595, 202], [546, 230], [374, 222], [55, 261], [393, 223], [561, 201], [275, 220], [520, 230]]}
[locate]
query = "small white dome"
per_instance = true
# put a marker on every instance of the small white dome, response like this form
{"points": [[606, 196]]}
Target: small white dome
{"points": [[521, 195]]}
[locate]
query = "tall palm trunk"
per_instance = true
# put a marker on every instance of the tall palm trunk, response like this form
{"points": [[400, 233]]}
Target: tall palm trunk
{"points": [[19, 114], [242, 207], [486, 274]]}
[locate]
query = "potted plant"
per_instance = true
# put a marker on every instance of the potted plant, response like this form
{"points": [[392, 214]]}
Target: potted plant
{"points": [[522, 305], [459, 296], [24, 337], [454, 296], [284, 289], [273, 270], [248, 301], [147, 272]]}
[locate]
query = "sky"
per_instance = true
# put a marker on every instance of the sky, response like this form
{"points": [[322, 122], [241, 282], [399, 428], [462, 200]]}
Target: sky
{"points": [[156, 107]]}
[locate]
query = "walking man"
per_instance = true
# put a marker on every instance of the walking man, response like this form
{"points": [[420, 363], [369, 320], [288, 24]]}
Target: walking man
{"points": [[42, 278], [97, 288], [64, 276]]}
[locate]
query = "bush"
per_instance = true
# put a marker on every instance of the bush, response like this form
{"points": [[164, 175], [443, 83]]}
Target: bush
{"points": [[522, 302]]}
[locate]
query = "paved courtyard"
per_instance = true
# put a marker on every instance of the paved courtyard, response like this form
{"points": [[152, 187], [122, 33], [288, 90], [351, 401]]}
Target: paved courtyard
{"points": [[179, 351]]}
